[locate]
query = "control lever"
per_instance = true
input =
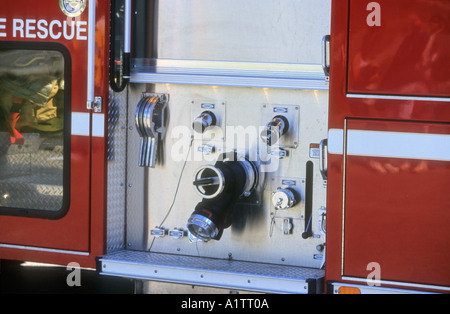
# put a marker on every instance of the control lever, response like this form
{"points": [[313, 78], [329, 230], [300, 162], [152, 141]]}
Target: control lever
{"points": [[150, 117], [308, 200]]}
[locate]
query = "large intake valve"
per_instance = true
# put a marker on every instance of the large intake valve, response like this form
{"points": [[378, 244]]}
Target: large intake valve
{"points": [[220, 185]]}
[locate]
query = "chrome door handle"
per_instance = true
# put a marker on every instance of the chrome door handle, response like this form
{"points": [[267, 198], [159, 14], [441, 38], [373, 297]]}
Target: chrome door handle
{"points": [[326, 56], [322, 158]]}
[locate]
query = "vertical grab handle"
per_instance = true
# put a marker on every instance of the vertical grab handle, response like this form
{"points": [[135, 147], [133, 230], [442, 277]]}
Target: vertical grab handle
{"points": [[326, 56], [91, 56], [322, 158], [309, 186], [127, 40]]}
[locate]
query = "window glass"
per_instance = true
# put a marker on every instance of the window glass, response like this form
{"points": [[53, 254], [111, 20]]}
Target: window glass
{"points": [[32, 141]]}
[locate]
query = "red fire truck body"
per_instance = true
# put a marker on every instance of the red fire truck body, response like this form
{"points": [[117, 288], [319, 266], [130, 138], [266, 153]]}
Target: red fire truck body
{"points": [[389, 115], [80, 232], [376, 188]]}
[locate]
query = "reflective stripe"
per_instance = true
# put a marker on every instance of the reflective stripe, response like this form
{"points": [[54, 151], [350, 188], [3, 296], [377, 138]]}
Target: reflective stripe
{"points": [[32, 248], [391, 144], [98, 125], [399, 145], [80, 123], [336, 141]]}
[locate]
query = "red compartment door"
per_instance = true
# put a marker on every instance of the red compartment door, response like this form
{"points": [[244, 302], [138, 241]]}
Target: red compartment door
{"points": [[397, 201], [399, 47], [50, 211]]}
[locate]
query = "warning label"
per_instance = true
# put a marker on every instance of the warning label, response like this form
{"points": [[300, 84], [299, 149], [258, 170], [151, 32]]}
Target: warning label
{"points": [[314, 150]]}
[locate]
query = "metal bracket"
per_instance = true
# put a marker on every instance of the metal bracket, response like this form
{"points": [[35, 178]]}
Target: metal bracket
{"points": [[287, 226], [159, 232], [96, 105]]}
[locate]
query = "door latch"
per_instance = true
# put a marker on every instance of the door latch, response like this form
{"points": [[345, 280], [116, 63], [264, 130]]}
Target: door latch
{"points": [[96, 105]]}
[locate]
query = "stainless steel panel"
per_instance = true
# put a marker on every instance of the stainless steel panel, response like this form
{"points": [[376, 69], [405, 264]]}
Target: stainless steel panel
{"points": [[207, 54], [256, 43], [288, 31], [258, 236]]}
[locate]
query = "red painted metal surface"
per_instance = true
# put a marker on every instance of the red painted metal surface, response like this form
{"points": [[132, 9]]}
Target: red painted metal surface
{"points": [[396, 212], [362, 62], [406, 55], [83, 228]]}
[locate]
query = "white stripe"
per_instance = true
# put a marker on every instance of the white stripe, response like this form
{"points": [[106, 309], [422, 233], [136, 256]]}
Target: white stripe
{"points": [[32, 248], [80, 123], [390, 144], [98, 125], [336, 141], [394, 97], [399, 145]]}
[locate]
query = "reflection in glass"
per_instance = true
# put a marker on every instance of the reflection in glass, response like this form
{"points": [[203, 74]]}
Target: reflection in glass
{"points": [[31, 129]]}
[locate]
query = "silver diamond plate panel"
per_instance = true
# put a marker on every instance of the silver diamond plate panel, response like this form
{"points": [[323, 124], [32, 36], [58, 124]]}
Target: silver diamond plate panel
{"points": [[31, 175], [137, 195], [117, 159]]}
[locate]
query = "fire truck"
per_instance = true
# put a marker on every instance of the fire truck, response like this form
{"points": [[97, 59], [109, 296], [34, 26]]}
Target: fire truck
{"points": [[295, 146]]}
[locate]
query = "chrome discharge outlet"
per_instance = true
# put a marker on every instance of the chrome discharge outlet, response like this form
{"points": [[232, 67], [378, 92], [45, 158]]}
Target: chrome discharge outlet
{"points": [[276, 128], [220, 186], [205, 120]]}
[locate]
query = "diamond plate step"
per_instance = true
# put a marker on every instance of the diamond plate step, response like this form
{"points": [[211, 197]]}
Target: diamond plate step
{"points": [[212, 272]]}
